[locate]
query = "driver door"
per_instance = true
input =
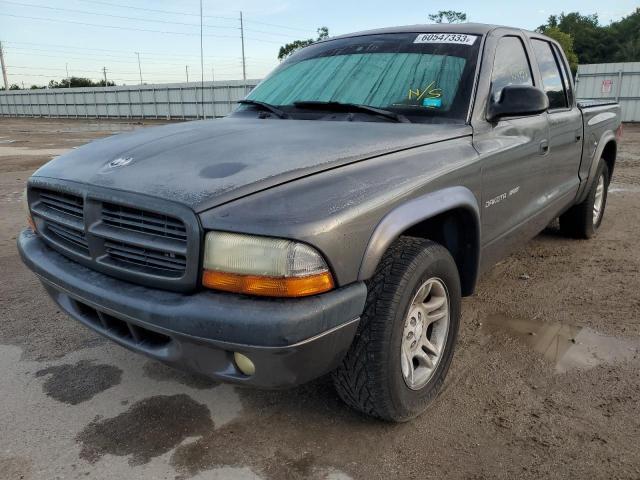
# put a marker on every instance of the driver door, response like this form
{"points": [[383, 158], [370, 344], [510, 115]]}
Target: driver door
{"points": [[515, 151]]}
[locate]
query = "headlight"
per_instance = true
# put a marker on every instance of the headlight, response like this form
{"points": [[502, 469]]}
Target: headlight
{"points": [[263, 266], [27, 212]]}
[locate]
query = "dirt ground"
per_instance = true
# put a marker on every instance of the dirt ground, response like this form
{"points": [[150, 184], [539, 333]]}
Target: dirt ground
{"points": [[545, 382]]}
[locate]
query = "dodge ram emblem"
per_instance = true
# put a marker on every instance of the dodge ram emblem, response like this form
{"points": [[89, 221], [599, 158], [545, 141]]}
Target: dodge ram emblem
{"points": [[120, 162]]}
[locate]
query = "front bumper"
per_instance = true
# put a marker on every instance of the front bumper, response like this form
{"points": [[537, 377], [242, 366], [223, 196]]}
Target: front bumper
{"points": [[290, 341]]}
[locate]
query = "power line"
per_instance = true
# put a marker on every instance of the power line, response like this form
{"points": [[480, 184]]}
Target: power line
{"points": [[127, 28], [168, 12], [138, 19], [105, 49], [85, 12], [81, 58]]}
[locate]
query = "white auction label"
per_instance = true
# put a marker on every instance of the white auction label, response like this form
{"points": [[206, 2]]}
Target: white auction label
{"points": [[459, 38]]}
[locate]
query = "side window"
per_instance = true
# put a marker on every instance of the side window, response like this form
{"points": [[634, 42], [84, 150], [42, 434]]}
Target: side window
{"points": [[566, 74], [510, 66], [550, 73]]}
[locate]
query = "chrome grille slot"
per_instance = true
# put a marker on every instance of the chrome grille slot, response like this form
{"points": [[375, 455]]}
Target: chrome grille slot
{"points": [[145, 258], [143, 221]]}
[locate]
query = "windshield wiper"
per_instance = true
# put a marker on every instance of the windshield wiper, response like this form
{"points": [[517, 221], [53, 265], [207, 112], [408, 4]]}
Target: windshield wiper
{"points": [[352, 107], [265, 106]]}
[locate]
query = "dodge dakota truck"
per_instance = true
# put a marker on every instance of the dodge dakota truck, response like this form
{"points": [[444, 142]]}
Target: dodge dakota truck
{"points": [[334, 220]]}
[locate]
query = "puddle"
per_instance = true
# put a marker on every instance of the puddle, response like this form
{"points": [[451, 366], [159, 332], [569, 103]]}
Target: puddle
{"points": [[74, 384], [150, 428], [566, 346]]}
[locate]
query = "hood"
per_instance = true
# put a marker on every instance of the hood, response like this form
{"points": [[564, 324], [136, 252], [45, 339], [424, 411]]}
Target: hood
{"points": [[206, 163]]}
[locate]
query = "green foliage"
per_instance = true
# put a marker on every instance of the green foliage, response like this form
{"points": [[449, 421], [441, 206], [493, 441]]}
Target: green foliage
{"points": [[78, 82], [290, 48], [450, 16], [595, 43], [14, 86], [566, 42]]}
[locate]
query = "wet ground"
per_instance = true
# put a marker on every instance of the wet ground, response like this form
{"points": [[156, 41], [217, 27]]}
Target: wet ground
{"points": [[545, 381]]}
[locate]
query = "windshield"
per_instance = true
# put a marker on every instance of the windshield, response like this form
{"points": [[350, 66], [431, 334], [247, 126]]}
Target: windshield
{"points": [[426, 77]]}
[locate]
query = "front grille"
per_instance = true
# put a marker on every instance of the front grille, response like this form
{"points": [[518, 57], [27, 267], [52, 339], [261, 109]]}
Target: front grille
{"points": [[142, 221], [164, 262], [128, 241], [74, 238]]}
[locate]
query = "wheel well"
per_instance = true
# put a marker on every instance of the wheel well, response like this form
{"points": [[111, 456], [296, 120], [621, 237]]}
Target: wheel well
{"points": [[458, 231], [609, 156]]}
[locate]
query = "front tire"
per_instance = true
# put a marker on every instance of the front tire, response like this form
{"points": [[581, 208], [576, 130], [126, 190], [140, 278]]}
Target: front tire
{"points": [[405, 341], [584, 219]]}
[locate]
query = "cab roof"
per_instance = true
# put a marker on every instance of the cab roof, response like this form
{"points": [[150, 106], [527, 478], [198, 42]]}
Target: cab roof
{"points": [[469, 28]]}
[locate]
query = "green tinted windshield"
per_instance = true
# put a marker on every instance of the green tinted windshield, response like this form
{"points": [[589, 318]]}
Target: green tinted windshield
{"points": [[390, 71]]}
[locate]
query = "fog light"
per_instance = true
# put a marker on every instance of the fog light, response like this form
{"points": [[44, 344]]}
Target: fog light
{"points": [[243, 363]]}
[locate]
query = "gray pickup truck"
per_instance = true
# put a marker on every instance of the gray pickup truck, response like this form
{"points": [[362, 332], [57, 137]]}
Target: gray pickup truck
{"points": [[333, 222]]}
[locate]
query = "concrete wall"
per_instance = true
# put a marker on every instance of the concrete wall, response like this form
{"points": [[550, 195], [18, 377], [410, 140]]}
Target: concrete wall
{"points": [[617, 81], [167, 100]]}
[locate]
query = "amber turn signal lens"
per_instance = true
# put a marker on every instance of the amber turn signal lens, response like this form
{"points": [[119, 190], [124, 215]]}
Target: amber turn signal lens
{"points": [[268, 286]]}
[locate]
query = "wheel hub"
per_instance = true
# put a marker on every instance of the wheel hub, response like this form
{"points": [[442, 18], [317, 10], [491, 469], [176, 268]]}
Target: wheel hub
{"points": [[598, 201], [425, 333]]}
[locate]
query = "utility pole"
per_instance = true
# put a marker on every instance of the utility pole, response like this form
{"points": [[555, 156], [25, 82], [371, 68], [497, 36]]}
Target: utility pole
{"points": [[186, 69], [66, 65], [139, 67], [4, 68], [201, 65], [213, 92], [104, 71], [244, 62]]}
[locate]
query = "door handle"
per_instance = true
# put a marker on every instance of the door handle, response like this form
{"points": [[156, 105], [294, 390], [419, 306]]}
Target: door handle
{"points": [[578, 135], [544, 147]]}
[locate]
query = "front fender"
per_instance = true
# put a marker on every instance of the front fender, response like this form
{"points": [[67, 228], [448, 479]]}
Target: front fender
{"points": [[415, 211]]}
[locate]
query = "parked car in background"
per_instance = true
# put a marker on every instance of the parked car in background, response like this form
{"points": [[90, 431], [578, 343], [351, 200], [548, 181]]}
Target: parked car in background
{"points": [[333, 222]]}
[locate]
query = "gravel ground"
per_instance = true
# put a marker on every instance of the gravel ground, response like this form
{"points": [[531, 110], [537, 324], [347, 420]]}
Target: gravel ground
{"points": [[545, 381]]}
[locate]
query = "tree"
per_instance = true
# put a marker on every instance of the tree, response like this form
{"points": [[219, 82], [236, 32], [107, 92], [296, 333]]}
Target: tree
{"points": [[566, 42], [451, 16], [290, 48], [14, 86], [626, 33], [592, 43], [78, 82]]}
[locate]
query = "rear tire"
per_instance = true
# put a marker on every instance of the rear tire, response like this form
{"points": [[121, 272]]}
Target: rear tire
{"points": [[584, 219], [405, 341]]}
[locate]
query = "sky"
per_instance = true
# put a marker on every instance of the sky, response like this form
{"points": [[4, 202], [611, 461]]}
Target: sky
{"points": [[42, 39]]}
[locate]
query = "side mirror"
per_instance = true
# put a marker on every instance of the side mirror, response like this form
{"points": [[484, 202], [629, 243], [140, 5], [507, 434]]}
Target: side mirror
{"points": [[518, 100]]}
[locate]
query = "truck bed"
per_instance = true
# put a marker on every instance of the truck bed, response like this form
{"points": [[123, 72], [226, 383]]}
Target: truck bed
{"points": [[594, 102]]}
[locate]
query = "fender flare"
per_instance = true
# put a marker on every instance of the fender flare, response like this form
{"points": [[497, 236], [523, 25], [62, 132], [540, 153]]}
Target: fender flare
{"points": [[414, 212], [607, 137]]}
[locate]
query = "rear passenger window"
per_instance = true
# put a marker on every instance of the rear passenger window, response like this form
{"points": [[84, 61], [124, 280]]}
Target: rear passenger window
{"points": [[566, 74], [550, 73], [510, 66]]}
